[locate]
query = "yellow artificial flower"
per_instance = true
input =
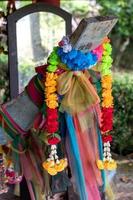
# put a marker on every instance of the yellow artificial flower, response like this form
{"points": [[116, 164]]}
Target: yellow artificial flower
{"points": [[107, 102], [50, 83], [49, 76], [110, 165], [107, 82], [100, 164], [49, 90], [107, 78], [106, 93], [59, 167], [51, 104], [48, 164], [62, 165], [52, 171], [53, 168], [52, 97], [106, 164]]}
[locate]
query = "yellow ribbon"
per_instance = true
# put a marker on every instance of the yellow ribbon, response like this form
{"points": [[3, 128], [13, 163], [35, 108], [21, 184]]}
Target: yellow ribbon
{"points": [[78, 92]]}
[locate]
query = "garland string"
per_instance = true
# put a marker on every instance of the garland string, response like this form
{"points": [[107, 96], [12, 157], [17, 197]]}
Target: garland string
{"points": [[107, 107], [53, 164]]}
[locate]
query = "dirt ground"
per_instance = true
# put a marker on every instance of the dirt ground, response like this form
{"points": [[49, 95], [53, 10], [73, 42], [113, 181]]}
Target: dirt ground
{"points": [[122, 182]]}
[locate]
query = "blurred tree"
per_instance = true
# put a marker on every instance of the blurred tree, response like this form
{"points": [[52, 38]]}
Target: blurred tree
{"points": [[4, 77], [123, 31], [76, 7], [37, 48], [21, 3], [3, 5], [123, 9], [4, 84], [123, 115]]}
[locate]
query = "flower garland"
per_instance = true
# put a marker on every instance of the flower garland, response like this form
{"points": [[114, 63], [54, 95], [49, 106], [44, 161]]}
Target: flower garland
{"points": [[53, 165], [107, 107], [76, 60]]}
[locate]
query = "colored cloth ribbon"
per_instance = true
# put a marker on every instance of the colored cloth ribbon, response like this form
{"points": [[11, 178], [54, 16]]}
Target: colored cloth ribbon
{"points": [[76, 90], [88, 147], [75, 159], [35, 91]]}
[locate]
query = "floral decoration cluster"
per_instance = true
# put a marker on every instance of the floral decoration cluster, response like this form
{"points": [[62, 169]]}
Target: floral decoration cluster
{"points": [[53, 167], [107, 107], [53, 164], [76, 60]]}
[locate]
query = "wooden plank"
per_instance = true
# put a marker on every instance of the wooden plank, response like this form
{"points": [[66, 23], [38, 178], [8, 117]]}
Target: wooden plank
{"points": [[91, 31]]}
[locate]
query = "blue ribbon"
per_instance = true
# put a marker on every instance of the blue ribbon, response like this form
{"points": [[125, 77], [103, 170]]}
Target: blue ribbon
{"points": [[76, 162]]}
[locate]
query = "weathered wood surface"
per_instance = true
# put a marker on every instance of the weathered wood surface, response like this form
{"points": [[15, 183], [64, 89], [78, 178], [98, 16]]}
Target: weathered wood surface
{"points": [[91, 31]]}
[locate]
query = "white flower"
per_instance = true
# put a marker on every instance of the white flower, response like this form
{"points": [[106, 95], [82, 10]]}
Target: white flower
{"points": [[67, 48]]}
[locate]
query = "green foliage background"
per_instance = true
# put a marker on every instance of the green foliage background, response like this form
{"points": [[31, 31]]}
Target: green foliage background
{"points": [[123, 9], [4, 79], [122, 34], [123, 115]]}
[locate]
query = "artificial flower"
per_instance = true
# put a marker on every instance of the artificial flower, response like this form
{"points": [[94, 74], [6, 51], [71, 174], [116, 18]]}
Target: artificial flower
{"points": [[48, 164], [54, 139], [52, 126], [99, 52], [107, 102], [52, 171], [106, 93], [106, 81], [50, 90], [100, 164], [62, 165], [107, 119], [77, 60], [52, 68], [52, 97], [106, 138], [51, 104], [50, 83], [110, 165], [106, 165], [106, 40]]}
